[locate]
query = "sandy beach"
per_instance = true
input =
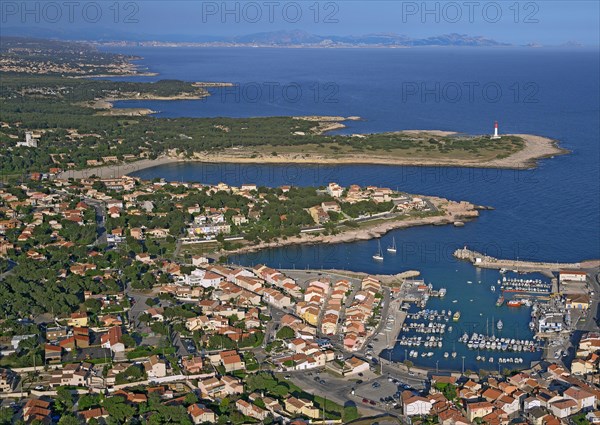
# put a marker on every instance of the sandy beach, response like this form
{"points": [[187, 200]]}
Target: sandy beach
{"points": [[536, 148]]}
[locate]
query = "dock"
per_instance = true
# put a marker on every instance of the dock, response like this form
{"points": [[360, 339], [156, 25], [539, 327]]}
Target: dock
{"points": [[487, 262]]}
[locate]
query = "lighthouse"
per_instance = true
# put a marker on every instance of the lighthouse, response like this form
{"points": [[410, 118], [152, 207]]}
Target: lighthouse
{"points": [[495, 136]]}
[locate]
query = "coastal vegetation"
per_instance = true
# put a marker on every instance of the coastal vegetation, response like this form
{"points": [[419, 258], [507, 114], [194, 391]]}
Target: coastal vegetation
{"points": [[76, 126]]}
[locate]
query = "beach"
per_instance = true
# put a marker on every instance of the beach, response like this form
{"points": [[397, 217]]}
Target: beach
{"points": [[536, 148]]}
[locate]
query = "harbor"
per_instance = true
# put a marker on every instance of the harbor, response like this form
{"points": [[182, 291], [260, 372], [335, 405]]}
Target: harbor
{"points": [[483, 323]]}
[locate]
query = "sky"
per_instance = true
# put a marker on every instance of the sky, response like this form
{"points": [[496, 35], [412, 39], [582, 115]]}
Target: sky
{"points": [[546, 22]]}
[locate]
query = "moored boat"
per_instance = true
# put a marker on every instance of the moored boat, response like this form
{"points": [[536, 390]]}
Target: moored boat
{"points": [[379, 255]]}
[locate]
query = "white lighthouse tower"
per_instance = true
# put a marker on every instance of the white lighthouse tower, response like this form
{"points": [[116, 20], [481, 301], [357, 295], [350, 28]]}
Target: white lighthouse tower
{"points": [[495, 136]]}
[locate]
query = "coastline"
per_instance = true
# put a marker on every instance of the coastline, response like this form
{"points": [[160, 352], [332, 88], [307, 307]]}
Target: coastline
{"points": [[536, 148], [454, 212]]}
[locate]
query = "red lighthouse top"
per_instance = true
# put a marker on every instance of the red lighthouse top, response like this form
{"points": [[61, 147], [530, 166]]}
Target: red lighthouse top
{"points": [[495, 124]]}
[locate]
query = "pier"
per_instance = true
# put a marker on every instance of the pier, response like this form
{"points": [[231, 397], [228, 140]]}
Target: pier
{"points": [[487, 262]]}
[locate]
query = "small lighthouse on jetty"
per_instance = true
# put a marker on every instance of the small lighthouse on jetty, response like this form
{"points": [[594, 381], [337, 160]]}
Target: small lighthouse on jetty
{"points": [[495, 136]]}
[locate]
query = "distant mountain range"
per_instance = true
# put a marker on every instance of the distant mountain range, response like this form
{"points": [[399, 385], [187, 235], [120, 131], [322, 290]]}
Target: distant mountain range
{"points": [[293, 38], [380, 39]]}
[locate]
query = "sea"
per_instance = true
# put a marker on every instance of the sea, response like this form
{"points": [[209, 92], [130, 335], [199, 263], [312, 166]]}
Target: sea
{"points": [[550, 213]]}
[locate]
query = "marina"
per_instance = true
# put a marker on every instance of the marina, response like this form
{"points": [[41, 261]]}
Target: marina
{"points": [[437, 331]]}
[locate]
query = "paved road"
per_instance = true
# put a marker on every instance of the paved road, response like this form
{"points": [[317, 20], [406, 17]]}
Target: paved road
{"points": [[100, 219]]}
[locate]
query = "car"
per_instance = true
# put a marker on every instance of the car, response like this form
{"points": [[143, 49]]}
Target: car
{"points": [[39, 387], [372, 402], [322, 382], [287, 377], [316, 378], [360, 381], [361, 374], [365, 400], [411, 374], [376, 384]]}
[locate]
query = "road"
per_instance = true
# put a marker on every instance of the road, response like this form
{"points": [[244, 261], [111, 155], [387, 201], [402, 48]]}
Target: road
{"points": [[100, 219]]}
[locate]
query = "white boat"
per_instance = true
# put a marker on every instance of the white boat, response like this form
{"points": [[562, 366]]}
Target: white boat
{"points": [[493, 288], [446, 355], [468, 281], [500, 325], [379, 255], [392, 248]]}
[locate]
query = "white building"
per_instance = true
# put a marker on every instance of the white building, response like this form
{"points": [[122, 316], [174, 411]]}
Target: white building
{"points": [[29, 142]]}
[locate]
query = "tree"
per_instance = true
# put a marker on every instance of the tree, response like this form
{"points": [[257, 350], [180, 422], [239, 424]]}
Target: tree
{"points": [[68, 420], [64, 399], [88, 400], [118, 409], [285, 333], [92, 305], [191, 398], [6, 414]]}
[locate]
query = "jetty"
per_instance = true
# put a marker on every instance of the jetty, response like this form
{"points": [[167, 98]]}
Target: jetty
{"points": [[488, 262]]}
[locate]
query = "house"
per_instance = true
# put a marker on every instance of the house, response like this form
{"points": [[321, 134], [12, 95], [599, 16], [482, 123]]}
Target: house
{"points": [[583, 398], [479, 410], [356, 365], [251, 410], [193, 364], [97, 413], [112, 340], [200, 414], [36, 409], [577, 301], [52, 353], [231, 361], [299, 406], [334, 190], [155, 367], [563, 408], [78, 319], [415, 405], [8, 380]]}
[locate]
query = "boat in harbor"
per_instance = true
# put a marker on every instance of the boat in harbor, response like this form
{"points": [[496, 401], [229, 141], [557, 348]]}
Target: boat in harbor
{"points": [[499, 325], [493, 288], [379, 255], [500, 301], [456, 316], [446, 355], [392, 248], [514, 303], [442, 292]]}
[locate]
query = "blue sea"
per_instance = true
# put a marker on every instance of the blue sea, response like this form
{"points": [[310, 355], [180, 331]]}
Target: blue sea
{"points": [[550, 213]]}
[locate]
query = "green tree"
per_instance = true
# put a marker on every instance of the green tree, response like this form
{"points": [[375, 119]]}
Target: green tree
{"points": [[68, 419], [118, 409], [285, 333]]}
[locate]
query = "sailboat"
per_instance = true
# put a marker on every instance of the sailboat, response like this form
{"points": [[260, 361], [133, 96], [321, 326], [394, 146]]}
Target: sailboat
{"points": [[453, 350], [379, 255], [392, 248]]}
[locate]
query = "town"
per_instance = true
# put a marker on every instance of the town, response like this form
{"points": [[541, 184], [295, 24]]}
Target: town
{"points": [[108, 317]]}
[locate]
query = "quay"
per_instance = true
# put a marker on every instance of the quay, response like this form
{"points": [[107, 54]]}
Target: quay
{"points": [[485, 261]]}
